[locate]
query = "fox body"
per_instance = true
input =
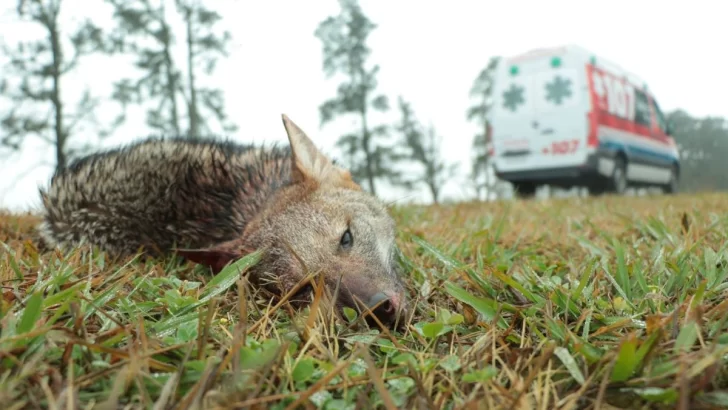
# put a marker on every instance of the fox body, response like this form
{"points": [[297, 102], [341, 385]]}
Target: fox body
{"points": [[214, 202]]}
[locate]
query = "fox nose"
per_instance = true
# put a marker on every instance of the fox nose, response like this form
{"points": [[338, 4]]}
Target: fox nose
{"points": [[389, 306]]}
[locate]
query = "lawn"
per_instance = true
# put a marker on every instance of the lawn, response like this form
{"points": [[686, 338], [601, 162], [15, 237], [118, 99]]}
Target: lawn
{"points": [[572, 303]]}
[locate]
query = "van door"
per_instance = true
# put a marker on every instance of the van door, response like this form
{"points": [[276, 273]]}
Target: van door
{"points": [[511, 116], [539, 117], [560, 124], [666, 150]]}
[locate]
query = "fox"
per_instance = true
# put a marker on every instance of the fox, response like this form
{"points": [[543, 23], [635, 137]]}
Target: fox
{"points": [[212, 202]]}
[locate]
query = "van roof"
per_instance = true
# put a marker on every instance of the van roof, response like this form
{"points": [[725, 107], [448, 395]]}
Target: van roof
{"points": [[583, 54]]}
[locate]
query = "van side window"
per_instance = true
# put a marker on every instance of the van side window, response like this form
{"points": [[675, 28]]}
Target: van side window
{"points": [[661, 121], [642, 108]]}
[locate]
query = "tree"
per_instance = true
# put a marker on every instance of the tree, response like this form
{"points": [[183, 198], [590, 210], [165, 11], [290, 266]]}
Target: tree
{"points": [[345, 51], [481, 91], [161, 80], [422, 147], [33, 82]]}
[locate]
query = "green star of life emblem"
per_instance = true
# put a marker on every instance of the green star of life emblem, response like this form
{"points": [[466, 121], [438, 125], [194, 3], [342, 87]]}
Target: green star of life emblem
{"points": [[558, 90], [513, 97]]}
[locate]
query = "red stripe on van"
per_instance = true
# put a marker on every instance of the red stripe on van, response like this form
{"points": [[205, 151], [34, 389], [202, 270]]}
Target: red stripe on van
{"points": [[592, 139], [600, 115]]}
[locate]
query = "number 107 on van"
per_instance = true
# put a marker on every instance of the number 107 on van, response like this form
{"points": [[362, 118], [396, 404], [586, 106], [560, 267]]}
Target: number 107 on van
{"points": [[562, 147]]}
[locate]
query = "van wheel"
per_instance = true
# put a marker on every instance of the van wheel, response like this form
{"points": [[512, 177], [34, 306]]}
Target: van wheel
{"points": [[671, 187], [618, 181], [596, 188], [524, 189]]}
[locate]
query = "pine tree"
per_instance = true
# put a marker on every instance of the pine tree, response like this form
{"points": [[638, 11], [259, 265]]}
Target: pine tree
{"points": [[345, 51], [144, 28], [34, 79], [422, 147], [481, 91]]}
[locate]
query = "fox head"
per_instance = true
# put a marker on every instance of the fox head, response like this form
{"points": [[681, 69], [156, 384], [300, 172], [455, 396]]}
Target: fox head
{"points": [[322, 223]]}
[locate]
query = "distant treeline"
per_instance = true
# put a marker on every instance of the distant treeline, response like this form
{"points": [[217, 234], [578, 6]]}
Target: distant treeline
{"points": [[703, 145]]}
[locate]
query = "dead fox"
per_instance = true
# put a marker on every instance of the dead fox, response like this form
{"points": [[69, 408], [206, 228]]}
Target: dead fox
{"points": [[220, 201]]}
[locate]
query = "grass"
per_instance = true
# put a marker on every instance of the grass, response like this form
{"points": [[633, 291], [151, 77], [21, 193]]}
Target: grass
{"points": [[561, 304]]}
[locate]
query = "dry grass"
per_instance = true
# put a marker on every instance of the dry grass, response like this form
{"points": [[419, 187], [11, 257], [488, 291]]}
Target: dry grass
{"points": [[560, 304]]}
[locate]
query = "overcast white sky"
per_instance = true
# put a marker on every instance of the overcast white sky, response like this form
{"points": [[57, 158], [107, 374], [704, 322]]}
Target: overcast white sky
{"points": [[429, 52]]}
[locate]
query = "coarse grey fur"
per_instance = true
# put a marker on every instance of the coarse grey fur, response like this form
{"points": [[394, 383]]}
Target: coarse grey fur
{"points": [[215, 201], [161, 193]]}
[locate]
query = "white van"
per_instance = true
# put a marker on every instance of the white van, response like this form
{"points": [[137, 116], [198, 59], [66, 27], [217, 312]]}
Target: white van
{"points": [[566, 117]]}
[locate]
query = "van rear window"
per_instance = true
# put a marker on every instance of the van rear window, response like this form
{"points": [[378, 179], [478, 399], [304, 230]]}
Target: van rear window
{"points": [[543, 91], [513, 97], [558, 89]]}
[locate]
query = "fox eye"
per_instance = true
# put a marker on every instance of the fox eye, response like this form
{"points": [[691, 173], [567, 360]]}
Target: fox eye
{"points": [[346, 240]]}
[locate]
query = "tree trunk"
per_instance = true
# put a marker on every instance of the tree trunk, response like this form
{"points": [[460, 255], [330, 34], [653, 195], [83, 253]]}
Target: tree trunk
{"points": [[192, 109], [432, 179], [365, 140], [171, 80], [488, 185], [435, 192], [56, 96]]}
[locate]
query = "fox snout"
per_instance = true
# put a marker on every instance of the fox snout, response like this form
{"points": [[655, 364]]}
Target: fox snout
{"points": [[387, 307], [387, 304]]}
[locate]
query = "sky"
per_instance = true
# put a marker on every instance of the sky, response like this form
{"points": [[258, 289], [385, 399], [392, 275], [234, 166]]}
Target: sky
{"points": [[429, 52]]}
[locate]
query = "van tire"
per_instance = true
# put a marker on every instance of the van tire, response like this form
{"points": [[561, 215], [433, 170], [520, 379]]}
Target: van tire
{"points": [[671, 187], [618, 181], [596, 188], [524, 189]]}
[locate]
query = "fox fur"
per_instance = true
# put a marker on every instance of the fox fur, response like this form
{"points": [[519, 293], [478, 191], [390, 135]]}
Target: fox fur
{"points": [[213, 202]]}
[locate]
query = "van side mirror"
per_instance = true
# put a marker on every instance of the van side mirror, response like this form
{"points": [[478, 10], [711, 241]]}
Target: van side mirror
{"points": [[668, 128]]}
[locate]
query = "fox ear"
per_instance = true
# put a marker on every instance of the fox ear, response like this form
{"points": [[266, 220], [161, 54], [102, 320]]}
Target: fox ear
{"points": [[216, 257], [308, 163]]}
